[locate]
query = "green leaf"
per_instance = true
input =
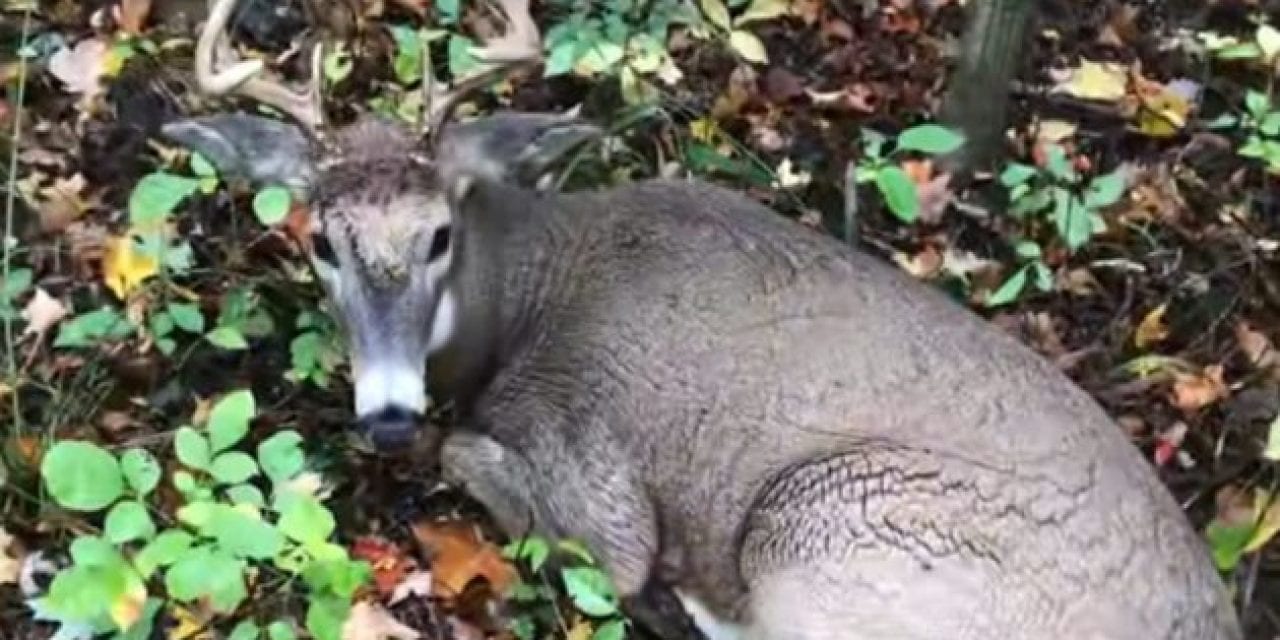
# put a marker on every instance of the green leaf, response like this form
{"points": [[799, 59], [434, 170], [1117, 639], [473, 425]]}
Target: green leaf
{"points": [[229, 419], [246, 630], [899, 193], [246, 494], [191, 447], [1072, 219], [92, 327], [93, 551], [1227, 543], [1016, 173], [140, 470], [612, 630], [81, 476], [407, 64], [763, 10], [533, 549], [1058, 165], [127, 521], [304, 519], [164, 550], [227, 337], [1105, 190], [280, 456], [930, 138], [184, 481], [449, 10], [143, 628], [186, 316], [1272, 450], [1043, 277], [1256, 103], [1270, 125], [241, 534], [326, 615], [281, 630], [271, 204], [156, 196], [716, 12], [233, 467], [1027, 250], [201, 166], [206, 572], [591, 591], [17, 283], [748, 46], [1008, 292]]}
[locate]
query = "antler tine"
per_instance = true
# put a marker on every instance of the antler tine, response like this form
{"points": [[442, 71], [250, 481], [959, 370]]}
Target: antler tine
{"points": [[519, 44], [243, 77]]}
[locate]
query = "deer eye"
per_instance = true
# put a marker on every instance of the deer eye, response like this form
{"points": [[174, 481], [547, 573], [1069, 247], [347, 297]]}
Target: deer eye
{"points": [[439, 243], [323, 250]]}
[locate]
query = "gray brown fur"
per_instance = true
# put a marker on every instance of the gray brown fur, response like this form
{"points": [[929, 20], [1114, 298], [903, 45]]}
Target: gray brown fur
{"points": [[795, 434]]}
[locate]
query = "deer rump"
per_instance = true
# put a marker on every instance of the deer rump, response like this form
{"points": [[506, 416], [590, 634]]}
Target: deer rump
{"points": [[742, 418]]}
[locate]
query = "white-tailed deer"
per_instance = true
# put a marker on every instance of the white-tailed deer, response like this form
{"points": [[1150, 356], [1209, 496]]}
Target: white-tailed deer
{"points": [[792, 436]]}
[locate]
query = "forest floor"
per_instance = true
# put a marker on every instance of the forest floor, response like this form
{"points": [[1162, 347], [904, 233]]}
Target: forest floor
{"points": [[1166, 312]]}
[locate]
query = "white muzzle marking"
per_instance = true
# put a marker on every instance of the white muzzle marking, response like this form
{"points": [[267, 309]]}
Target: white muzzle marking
{"points": [[380, 385]]}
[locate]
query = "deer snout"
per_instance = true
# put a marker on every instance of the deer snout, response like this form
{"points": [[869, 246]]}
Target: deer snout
{"points": [[391, 429]]}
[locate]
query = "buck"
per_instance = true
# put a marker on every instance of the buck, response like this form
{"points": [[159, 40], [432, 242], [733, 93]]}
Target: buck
{"points": [[785, 436]]}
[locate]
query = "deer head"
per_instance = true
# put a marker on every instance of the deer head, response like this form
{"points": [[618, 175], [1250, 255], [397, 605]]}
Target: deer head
{"points": [[381, 223]]}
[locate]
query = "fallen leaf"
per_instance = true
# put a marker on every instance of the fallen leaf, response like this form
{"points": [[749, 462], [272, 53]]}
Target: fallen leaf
{"points": [[370, 621], [458, 556], [1104, 81], [1152, 329], [131, 14], [80, 66], [124, 268], [417, 584], [61, 203], [1194, 391], [10, 566], [42, 312], [189, 625], [389, 562], [1257, 347], [925, 264]]}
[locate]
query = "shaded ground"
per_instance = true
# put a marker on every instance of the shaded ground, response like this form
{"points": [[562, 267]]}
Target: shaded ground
{"points": [[1186, 269]]}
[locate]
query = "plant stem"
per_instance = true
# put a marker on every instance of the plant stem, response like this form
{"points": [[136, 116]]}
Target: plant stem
{"points": [[10, 196]]}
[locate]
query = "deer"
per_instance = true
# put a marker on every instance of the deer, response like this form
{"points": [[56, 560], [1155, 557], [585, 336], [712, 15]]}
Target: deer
{"points": [[760, 431]]}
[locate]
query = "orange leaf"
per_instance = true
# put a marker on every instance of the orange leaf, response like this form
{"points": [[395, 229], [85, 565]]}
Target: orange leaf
{"points": [[389, 562], [458, 556], [1196, 391]]}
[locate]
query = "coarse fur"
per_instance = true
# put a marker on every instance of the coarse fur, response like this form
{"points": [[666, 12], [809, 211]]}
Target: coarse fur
{"points": [[791, 437]]}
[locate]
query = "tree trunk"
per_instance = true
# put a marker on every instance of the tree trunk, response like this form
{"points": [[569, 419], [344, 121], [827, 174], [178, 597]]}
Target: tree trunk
{"points": [[977, 99]]}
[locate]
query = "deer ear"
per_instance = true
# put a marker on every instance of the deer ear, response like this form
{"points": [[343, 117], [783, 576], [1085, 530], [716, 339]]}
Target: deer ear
{"points": [[511, 147], [259, 149]]}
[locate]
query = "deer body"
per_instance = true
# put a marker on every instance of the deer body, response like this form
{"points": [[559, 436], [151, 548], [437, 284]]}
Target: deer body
{"points": [[792, 438]]}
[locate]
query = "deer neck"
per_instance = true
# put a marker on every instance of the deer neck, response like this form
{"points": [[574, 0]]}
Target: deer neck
{"points": [[515, 253]]}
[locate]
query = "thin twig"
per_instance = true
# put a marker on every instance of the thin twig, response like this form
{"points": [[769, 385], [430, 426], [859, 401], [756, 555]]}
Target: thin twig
{"points": [[11, 357]]}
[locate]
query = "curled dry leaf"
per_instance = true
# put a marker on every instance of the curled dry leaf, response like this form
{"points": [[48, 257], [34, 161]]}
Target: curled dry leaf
{"points": [[370, 621], [458, 556], [1194, 391], [1152, 329], [42, 312]]}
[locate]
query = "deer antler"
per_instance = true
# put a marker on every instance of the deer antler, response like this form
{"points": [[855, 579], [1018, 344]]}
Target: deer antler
{"points": [[519, 44], [243, 76]]}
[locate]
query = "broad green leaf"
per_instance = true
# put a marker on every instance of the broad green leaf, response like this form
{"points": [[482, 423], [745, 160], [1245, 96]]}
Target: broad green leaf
{"points": [[93, 551], [1272, 450], [1057, 164], [92, 327], [227, 337], [1016, 173], [271, 204], [164, 550], [1227, 543], [229, 419], [184, 481], [127, 521], [81, 475], [930, 138], [1008, 292], [206, 572], [337, 64], [326, 615], [533, 549], [1027, 250], [748, 46], [17, 283], [241, 534], [246, 630], [449, 10], [304, 519], [615, 629], [201, 166], [191, 447], [899, 193], [197, 513], [716, 12], [144, 627], [407, 64], [590, 590], [246, 494], [1270, 125], [140, 470], [156, 196], [281, 630], [1105, 190], [186, 316], [1043, 277], [1071, 218], [233, 467], [280, 456]]}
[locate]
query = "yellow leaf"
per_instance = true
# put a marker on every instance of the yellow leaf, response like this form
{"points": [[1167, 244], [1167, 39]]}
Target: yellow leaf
{"points": [[124, 267], [763, 10], [703, 129], [580, 631], [188, 626], [1163, 115], [716, 12], [128, 607], [748, 46], [1268, 526], [1105, 81], [1152, 328]]}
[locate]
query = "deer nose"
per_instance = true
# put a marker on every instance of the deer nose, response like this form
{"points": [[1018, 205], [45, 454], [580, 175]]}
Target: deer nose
{"points": [[391, 428]]}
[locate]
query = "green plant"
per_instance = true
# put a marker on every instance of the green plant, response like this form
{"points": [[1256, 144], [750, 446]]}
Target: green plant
{"points": [[1058, 191], [239, 318], [1261, 125], [317, 350], [1033, 268], [587, 585], [894, 184], [224, 533]]}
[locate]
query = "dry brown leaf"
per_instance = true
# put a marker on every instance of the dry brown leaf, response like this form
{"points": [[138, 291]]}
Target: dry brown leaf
{"points": [[458, 556], [417, 583], [41, 313], [1257, 348], [1152, 329], [10, 566], [131, 14], [923, 265], [1194, 391], [370, 621]]}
